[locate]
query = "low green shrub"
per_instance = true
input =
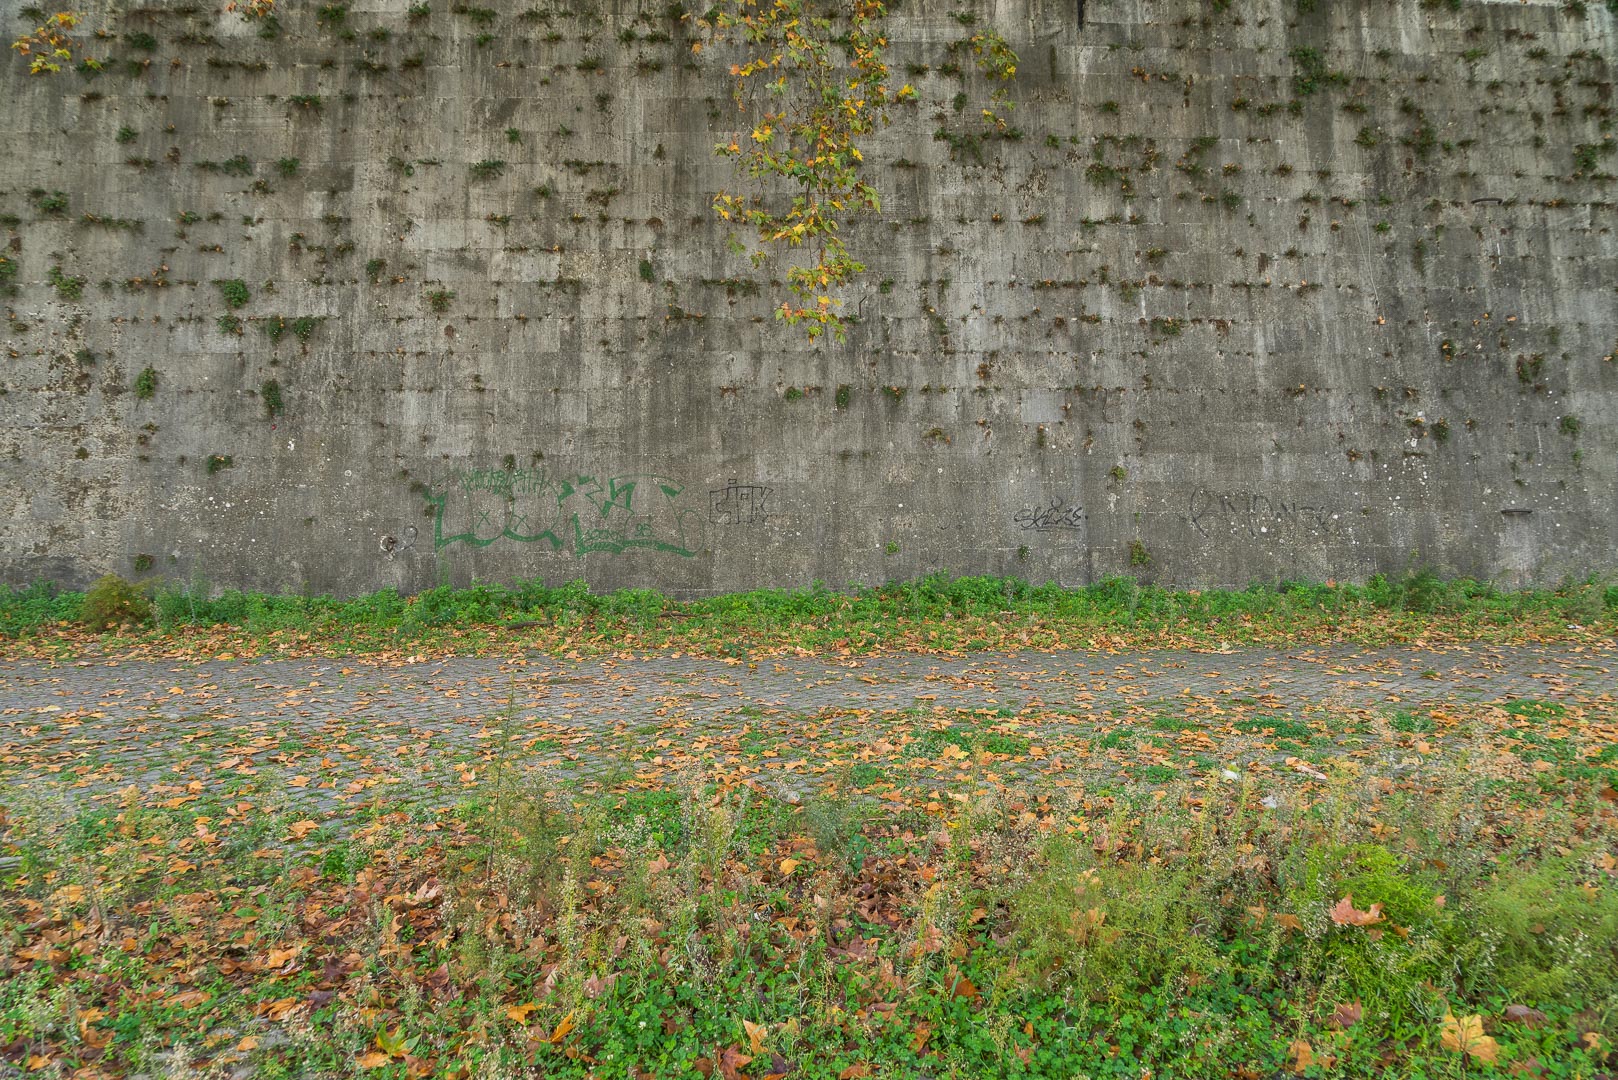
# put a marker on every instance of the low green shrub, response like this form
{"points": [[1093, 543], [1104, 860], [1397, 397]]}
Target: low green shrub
{"points": [[112, 602]]}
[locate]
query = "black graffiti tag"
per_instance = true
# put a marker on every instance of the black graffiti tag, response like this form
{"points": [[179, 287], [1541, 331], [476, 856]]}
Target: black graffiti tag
{"points": [[1259, 515], [738, 504], [1058, 515]]}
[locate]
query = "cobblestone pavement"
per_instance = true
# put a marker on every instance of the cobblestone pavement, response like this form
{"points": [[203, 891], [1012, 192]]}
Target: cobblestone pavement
{"points": [[327, 735]]}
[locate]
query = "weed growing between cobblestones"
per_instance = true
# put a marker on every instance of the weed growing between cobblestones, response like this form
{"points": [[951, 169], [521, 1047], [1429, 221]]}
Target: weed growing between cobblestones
{"points": [[1356, 926], [933, 614]]}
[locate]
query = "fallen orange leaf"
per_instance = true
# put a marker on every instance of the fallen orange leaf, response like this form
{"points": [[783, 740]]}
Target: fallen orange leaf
{"points": [[1303, 1055], [1348, 1014], [1344, 913], [188, 999], [1465, 1036]]}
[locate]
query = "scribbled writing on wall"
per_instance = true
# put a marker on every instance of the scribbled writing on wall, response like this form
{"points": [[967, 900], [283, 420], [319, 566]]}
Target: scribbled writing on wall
{"points": [[1058, 515], [1256, 515], [738, 504], [393, 546], [579, 513]]}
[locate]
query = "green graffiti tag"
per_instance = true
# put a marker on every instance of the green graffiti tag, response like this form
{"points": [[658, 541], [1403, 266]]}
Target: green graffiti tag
{"points": [[580, 513]]}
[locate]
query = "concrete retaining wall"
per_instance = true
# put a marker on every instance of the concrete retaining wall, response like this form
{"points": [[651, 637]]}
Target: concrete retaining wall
{"points": [[1192, 324]]}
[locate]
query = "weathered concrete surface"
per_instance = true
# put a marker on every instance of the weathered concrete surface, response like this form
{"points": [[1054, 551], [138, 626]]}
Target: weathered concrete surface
{"points": [[1369, 331]]}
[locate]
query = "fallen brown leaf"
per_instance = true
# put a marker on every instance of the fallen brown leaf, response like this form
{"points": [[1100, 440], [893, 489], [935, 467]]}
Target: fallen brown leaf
{"points": [[1465, 1036]]}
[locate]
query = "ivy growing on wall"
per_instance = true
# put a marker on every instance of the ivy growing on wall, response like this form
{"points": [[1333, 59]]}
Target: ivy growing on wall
{"points": [[814, 81], [51, 45]]}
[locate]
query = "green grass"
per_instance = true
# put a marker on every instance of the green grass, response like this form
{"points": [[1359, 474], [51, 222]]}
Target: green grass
{"points": [[1411, 723], [1529, 709], [1047, 931], [1279, 726], [935, 612]]}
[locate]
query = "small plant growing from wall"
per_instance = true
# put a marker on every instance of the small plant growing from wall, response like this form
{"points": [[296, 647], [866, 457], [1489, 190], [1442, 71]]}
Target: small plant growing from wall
{"points": [[216, 462], [1138, 555], [234, 292], [1570, 425], [54, 202], [142, 563], [1587, 157], [68, 288], [229, 324], [270, 393], [146, 383], [845, 394], [440, 300], [487, 169]]}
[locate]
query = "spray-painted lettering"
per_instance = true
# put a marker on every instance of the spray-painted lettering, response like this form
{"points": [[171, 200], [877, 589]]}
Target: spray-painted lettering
{"points": [[580, 513], [738, 504], [1257, 515], [1058, 515]]}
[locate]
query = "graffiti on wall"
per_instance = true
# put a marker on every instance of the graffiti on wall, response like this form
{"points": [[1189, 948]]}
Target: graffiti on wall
{"points": [[1058, 515], [394, 546], [579, 513], [738, 504], [1256, 515]]}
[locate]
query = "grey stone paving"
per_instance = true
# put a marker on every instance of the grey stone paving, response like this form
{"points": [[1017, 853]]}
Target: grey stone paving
{"points": [[334, 733]]}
